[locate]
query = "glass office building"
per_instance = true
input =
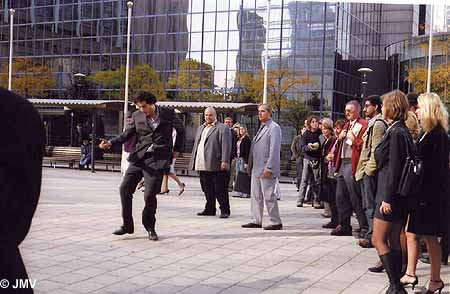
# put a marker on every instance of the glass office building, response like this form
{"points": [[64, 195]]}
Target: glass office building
{"points": [[326, 42]]}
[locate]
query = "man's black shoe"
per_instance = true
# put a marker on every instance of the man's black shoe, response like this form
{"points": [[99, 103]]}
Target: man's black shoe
{"points": [[224, 215], [365, 243], [205, 213], [339, 231], [273, 227], [329, 225], [122, 231], [152, 236], [378, 268], [251, 225]]}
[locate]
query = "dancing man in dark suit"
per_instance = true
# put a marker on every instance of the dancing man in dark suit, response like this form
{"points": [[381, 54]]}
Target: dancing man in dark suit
{"points": [[150, 159], [21, 153], [211, 158]]}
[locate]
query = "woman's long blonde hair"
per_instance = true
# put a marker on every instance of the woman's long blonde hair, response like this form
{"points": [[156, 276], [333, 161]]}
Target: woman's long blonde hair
{"points": [[432, 112]]}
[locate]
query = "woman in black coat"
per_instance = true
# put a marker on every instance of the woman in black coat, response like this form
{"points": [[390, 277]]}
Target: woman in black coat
{"points": [[391, 210], [429, 217], [243, 145]]}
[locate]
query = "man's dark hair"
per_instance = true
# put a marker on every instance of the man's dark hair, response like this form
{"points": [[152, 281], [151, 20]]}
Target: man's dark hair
{"points": [[412, 99], [375, 100], [146, 97]]}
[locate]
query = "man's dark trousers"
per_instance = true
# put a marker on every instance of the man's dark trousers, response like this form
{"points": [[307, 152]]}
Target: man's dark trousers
{"points": [[299, 171], [215, 186], [369, 188], [153, 181], [348, 197]]}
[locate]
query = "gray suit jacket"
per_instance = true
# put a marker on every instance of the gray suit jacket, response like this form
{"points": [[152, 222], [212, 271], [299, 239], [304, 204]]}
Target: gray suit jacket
{"points": [[217, 147], [265, 151]]}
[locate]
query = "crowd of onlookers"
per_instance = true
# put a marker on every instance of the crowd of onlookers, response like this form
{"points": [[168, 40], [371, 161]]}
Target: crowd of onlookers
{"points": [[356, 166]]}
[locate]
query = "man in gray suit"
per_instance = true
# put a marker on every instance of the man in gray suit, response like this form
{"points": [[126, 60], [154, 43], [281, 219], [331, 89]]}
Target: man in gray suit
{"points": [[264, 167], [211, 159]]}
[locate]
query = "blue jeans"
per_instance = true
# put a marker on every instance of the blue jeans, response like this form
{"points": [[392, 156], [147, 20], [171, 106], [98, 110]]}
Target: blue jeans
{"points": [[369, 190]]}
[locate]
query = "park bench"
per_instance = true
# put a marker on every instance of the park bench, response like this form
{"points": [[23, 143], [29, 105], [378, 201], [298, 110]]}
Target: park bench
{"points": [[112, 160], [61, 154], [182, 163]]}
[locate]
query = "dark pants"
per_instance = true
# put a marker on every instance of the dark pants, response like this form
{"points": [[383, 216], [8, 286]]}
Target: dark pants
{"points": [[299, 171], [369, 190], [215, 186], [153, 181], [12, 268], [348, 197], [331, 191]]}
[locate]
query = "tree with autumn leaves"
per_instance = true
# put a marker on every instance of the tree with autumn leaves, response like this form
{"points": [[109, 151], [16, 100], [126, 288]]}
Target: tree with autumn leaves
{"points": [[194, 81], [417, 76], [142, 78], [29, 78], [280, 83]]}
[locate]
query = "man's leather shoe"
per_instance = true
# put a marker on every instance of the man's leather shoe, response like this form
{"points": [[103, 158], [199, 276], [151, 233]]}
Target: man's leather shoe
{"points": [[273, 227], [205, 213], [122, 231], [329, 225], [152, 236], [378, 268], [339, 231], [224, 215], [364, 243], [251, 225]]}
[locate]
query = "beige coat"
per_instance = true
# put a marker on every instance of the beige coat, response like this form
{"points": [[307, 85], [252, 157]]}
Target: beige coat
{"points": [[367, 164]]}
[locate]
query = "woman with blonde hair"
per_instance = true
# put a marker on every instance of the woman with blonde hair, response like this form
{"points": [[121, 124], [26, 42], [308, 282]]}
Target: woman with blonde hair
{"points": [[428, 216], [391, 210]]}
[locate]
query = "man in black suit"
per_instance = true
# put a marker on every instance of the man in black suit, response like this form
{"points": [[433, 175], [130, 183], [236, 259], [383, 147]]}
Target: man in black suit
{"points": [[20, 181], [150, 159]]}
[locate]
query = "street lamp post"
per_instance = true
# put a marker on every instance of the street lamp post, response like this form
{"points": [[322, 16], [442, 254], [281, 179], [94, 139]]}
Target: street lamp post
{"points": [[266, 61], [430, 51], [127, 68], [11, 39], [364, 71]]}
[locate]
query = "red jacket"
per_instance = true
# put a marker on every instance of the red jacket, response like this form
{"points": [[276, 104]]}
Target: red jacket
{"points": [[356, 146]]}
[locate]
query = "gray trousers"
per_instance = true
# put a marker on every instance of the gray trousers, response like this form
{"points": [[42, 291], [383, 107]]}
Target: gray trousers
{"points": [[263, 191], [348, 197], [369, 190], [310, 175]]}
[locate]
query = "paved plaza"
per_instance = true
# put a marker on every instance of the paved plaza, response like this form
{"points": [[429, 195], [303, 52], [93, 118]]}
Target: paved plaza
{"points": [[70, 248]]}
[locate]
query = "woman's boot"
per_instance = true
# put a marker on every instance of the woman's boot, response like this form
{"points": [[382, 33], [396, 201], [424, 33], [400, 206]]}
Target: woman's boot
{"points": [[393, 267]]}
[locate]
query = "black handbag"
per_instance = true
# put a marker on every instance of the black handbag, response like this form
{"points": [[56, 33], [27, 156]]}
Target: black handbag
{"points": [[242, 183], [412, 174]]}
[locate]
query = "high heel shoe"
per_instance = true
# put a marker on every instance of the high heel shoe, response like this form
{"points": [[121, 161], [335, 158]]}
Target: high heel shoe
{"points": [[165, 192], [182, 186], [413, 284], [438, 289]]}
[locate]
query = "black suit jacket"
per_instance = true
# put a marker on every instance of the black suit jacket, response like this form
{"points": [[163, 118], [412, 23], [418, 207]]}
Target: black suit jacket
{"points": [[21, 152], [160, 138]]}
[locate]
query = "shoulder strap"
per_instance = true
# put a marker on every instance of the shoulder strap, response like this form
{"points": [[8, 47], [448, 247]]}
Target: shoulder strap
{"points": [[370, 130]]}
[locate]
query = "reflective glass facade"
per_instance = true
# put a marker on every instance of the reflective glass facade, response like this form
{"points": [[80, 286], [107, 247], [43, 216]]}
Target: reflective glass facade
{"points": [[324, 41]]}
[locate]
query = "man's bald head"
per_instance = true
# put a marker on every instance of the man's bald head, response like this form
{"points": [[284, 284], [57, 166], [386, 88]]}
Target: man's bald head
{"points": [[210, 115]]}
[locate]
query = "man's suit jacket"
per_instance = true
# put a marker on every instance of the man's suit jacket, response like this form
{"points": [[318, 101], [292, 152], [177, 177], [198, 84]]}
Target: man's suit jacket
{"points": [[21, 154], [217, 146], [265, 151], [160, 138], [356, 146]]}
